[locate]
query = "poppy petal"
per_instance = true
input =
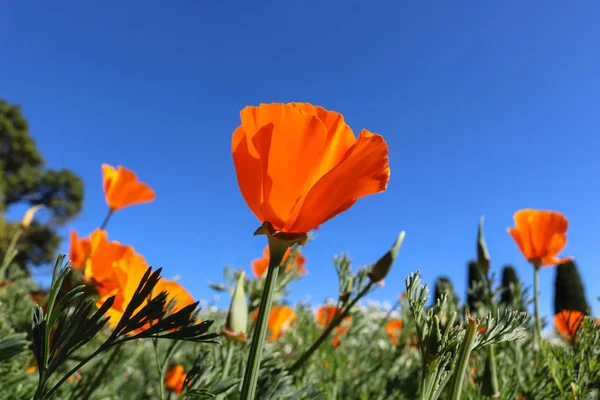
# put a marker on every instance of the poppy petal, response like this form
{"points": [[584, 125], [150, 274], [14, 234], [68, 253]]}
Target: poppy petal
{"points": [[365, 165]]}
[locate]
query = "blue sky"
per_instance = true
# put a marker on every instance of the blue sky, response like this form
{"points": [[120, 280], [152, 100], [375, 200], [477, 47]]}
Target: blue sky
{"points": [[487, 108]]}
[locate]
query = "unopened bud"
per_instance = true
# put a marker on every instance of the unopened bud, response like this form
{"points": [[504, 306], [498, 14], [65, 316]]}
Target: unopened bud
{"points": [[237, 317], [29, 214], [384, 265]]}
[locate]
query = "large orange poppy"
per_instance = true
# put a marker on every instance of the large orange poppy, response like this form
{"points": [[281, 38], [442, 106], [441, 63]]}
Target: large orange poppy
{"points": [[540, 235], [260, 265], [299, 165], [122, 188], [393, 330]]}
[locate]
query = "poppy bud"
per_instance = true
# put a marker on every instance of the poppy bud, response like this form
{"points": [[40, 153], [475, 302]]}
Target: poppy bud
{"points": [[483, 257], [383, 266], [237, 317], [29, 214]]}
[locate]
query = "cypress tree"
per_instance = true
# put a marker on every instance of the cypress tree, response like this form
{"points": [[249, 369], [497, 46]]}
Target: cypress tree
{"points": [[569, 293], [476, 282], [443, 285], [510, 284]]}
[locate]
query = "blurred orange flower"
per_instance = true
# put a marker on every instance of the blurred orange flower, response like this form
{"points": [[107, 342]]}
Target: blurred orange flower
{"points": [[260, 265], [567, 322], [540, 235], [122, 188], [326, 314], [174, 378], [299, 165], [128, 273], [280, 321], [78, 250], [393, 330], [100, 257]]}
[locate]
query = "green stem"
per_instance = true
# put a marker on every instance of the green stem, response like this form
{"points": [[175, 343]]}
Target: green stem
{"points": [[536, 296], [335, 322], [10, 252], [106, 219], [277, 249], [463, 360], [89, 389], [159, 369], [428, 383], [228, 360]]}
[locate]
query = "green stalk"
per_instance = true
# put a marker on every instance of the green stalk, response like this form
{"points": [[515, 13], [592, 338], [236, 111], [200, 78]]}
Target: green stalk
{"points": [[463, 360], [10, 252], [536, 295], [161, 378], [228, 360], [277, 249], [334, 323]]}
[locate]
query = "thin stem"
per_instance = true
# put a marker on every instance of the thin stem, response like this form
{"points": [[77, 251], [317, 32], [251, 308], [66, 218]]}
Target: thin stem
{"points": [[536, 296], [159, 369], [228, 360], [89, 389], [463, 360], [71, 372], [276, 249], [107, 218], [334, 323], [10, 252]]}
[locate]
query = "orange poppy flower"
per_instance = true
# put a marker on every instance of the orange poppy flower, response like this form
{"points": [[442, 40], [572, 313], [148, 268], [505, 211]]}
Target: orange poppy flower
{"points": [[122, 188], [79, 250], [540, 235], [567, 322], [260, 265], [175, 378], [103, 258], [326, 314], [393, 329], [299, 165], [128, 274], [280, 321]]}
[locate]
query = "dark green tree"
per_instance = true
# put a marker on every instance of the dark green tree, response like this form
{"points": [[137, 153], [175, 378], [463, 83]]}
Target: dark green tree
{"points": [[510, 284], [444, 285], [569, 293], [476, 284], [24, 179]]}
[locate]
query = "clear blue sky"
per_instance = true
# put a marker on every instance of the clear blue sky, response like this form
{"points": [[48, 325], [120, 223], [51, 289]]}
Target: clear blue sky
{"points": [[486, 107]]}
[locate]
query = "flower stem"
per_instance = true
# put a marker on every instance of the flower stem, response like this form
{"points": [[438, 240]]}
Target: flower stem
{"points": [[277, 249], [536, 295], [159, 369], [335, 322], [463, 359], [106, 219], [228, 360], [10, 252]]}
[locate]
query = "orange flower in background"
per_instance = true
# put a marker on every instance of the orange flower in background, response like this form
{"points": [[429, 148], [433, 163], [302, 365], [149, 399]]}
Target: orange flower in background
{"points": [[393, 330], [540, 235], [280, 321], [122, 188], [299, 165], [326, 314], [567, 322], [260, 265], [175, 378]]}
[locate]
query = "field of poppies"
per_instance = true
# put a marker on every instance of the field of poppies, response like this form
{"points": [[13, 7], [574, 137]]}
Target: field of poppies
{"points": [[110, 327]]}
